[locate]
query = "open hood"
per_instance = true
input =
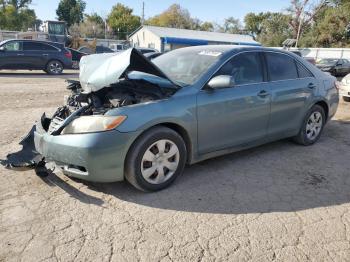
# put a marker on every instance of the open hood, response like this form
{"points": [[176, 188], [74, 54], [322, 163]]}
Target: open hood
{"points": [[101, 70]]}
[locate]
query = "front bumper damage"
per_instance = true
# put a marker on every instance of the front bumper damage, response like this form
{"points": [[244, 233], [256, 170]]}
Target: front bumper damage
{"points": [[27, 157], [96, 157]]}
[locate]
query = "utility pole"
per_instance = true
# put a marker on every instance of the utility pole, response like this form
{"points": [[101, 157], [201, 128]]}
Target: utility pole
{"points": [[143, 13], [301, 20]]}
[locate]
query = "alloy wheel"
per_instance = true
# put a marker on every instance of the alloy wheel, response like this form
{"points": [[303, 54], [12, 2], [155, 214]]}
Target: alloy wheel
{"points": [[314, 125], [55, 68], [160, 161]]}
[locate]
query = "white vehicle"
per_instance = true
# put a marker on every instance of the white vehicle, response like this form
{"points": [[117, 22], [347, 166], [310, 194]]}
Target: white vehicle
{"points": [[344, 89]]}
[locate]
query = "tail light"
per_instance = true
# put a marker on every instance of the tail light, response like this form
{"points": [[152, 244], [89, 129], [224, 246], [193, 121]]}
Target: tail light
{"points": [[68, 54]]}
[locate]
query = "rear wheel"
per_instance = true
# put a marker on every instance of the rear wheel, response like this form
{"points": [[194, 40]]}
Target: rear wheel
{"points": [[54, 67], [346, 98], [156, 159], [312, 126]]}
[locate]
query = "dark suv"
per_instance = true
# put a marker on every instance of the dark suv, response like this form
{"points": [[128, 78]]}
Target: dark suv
{"points": [[35, 55]]}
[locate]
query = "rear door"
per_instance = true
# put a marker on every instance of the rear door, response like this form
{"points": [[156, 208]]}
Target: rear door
{"points": [[291, 87], [12, 56], [38, 54], [236, 115]]}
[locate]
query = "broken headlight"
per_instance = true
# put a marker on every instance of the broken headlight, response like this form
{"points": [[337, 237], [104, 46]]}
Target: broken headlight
{"points": [[90, 124]]}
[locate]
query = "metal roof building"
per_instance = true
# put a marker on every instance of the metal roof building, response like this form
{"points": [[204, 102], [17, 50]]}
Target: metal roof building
{"points": [[166, 39]]}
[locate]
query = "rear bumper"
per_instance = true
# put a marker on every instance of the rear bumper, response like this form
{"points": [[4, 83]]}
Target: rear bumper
{"points": [[97, 157]]}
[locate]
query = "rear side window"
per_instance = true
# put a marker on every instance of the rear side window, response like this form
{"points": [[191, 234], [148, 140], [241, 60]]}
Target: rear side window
{"points": [[32, 46], [245, 68], [281, 67], [303, 72]]}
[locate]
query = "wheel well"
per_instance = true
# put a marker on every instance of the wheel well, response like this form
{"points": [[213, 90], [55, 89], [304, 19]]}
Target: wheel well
{"points": [[325, 107], [185, 136]]}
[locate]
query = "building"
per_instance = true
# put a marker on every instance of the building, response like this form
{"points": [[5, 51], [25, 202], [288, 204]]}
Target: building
{"points": [[166, 39]]}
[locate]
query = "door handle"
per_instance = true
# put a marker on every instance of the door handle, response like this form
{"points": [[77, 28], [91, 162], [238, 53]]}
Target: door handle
{"points": [[263, 93], [20, 54], [45, 54], [311, 86]]}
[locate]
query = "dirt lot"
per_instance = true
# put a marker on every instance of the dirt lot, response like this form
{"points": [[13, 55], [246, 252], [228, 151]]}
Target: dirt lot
{"points": [[279, 202]]}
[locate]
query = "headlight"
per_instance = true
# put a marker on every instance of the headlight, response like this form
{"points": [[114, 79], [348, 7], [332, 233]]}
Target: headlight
{"points": [[90, 124]]}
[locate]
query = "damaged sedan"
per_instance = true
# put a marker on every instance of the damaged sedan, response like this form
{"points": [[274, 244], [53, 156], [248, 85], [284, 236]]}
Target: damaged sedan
{"points": [[130, 118]]}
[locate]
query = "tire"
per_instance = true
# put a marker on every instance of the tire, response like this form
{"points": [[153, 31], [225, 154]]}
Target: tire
{"points": [[146, 159], [312, 126], [54, 67], [346, 98]]}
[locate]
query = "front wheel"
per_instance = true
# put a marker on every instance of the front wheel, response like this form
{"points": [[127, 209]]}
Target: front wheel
{"points": [[346, 98], [312, 126], [156, 159], [54, 68]]}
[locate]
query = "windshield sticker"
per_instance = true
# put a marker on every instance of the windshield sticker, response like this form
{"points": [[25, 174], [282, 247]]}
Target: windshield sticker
{"points": [[210, 53]]}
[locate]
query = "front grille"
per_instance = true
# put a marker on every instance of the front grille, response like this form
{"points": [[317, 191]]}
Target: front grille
{"points": [[55, 124]]}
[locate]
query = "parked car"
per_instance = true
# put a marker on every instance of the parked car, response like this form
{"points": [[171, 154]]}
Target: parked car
{"points": [[99, 50], [76, 56], [344, 88], [334, 66], [143, 121], [51, 57]]}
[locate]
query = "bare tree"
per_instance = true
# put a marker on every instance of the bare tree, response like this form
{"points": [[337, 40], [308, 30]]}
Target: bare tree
{"points": [[303, 13]]}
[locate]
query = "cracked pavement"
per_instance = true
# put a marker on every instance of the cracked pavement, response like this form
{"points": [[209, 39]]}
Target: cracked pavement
{"points": [[280, 201]]}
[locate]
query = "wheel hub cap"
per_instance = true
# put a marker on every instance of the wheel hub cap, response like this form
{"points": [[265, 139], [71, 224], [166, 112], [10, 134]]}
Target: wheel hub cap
{"points": [[160, 161]]}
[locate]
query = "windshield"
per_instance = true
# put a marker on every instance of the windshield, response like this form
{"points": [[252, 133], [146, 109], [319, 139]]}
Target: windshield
{"points": [[186, 66], [328, 61]]}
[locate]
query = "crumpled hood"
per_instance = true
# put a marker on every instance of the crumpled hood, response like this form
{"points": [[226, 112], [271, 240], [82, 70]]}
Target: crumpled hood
{"points": [[101, 70]]}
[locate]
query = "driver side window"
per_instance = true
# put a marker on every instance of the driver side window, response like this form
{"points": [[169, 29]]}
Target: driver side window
{"points": [[13, 46], [245, 68]]}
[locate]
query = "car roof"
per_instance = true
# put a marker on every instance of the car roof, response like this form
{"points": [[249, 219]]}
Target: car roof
{"points": [[36, 41], [231, 49]]}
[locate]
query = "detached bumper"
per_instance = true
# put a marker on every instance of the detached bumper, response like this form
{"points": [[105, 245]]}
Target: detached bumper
{"points": [[97, 157]]}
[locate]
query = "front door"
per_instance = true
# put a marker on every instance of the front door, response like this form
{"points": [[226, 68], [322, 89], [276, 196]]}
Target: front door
{"points": [[11, 57], [237, 115]]}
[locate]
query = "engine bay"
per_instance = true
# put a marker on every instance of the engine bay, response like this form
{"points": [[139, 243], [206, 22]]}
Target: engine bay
{"points": [[124, 93]]}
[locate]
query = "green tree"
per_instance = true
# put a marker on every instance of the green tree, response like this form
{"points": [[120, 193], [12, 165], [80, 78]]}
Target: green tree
{"points": [[175, 17], [71, 11], [275, 28], [94, 18], [207, 26], [15, 15], [123, 21], [232, 26], [254, 23]]}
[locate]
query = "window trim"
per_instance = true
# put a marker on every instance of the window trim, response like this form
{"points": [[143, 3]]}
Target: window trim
{"points": [[295, 61], [303, 66], [262, 64]]}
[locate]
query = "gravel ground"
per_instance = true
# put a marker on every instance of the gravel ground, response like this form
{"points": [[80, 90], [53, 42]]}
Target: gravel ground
{"points": [[279, 201]]}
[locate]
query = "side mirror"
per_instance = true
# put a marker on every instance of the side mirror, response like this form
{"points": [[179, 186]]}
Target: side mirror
{"points": [[2, 49], [339, 63], [222, 81]]}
